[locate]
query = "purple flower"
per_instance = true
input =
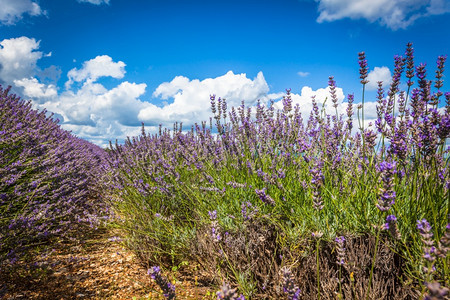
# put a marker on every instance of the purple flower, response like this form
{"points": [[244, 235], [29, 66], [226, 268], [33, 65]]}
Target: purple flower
{"points": [[332, 86], [264, 197], [424, 227], [288, 284], [391, 225], [363, 67], [212, 214], [287, 102], [227, 293], [409, 63], [317, 183], [248, 211], [350, 100], [166, 286], [436, 291], [340, 249], [386, 196]]}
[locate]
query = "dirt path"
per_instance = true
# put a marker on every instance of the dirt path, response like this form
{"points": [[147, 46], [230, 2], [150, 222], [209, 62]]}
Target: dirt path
{"points": [[97, 268]]}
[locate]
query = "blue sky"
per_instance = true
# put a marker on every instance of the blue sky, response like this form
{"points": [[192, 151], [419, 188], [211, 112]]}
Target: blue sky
{"points": [[105, 66]]}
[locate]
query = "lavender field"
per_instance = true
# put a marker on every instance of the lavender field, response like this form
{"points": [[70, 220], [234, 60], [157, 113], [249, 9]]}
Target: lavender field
{"points": [[260, 203]]}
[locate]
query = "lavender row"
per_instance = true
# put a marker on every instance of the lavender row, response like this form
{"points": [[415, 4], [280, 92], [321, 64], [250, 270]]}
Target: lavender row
{"points": [[48, 179]]}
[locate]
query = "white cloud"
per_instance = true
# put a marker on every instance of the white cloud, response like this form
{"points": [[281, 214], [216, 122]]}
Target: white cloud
{"points": [[101, 66], [378, 74], [303, 74], [394, 14], [93, 103], [191, 101], [33, 88], [96, 2], [18, 57], [98, 114], [11, 11]]}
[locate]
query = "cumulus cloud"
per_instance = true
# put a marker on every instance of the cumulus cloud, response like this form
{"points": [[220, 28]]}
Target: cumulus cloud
{"points": [[94, 103], [394, 14], [12, 11], [34, 89], [96, 2], [101, 66], [99, 114], [18, 57], [378, 74], [191, 97]]}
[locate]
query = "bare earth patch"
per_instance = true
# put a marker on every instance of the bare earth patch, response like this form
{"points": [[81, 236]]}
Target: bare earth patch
{"points": [[96, 268]]}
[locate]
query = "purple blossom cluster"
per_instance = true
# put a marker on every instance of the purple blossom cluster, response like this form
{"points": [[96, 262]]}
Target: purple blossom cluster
{"points": [[340, 250], [431, 253], [215, 229], [49, 179], [288, 284], [391, 226], [387, 194]]}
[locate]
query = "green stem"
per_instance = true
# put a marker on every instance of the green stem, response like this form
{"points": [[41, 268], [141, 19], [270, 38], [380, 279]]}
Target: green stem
{"points": [[318, 269], [373, 264]]}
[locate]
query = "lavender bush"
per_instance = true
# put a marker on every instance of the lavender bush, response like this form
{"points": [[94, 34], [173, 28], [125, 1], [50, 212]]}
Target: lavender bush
{"points": [[47, 179], [273, 177]]}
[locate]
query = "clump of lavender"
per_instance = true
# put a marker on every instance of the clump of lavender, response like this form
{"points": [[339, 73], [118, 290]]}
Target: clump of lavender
{"points": [[284, 155], [49, 179], [166, 286], [387, 195], [288, 284], [227, 293]]}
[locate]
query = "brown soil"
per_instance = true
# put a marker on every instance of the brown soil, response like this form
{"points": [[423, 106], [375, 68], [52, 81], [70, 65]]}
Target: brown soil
{"points": [[95, 268]]}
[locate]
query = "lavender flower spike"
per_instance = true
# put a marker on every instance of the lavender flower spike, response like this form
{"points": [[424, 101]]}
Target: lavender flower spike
{"points": [[166, 286], [340, 249], [264, 197], [387, 194], [363, 67], [289, 287], [391, 225]]}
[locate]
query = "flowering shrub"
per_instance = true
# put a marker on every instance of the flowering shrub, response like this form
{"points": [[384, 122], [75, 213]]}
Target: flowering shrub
{"points": [[47, 179], [273, 177]]}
